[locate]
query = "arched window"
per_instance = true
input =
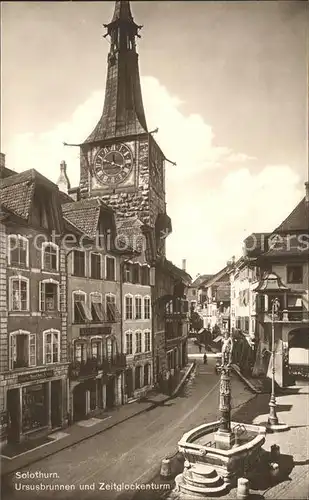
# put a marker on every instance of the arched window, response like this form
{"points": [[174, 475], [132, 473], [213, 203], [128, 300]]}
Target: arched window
{"points": [[18, 254], [49, 295], [138, 307], [81, 312], [147, 341], [18, 293], [138, 341], [128, 306], [129, 342], [22, 349], [147, 308], [51, 346], [50, 256]]}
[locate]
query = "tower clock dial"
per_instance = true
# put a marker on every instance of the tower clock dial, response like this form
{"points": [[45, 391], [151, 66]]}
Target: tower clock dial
{"points": [[113, 164]]}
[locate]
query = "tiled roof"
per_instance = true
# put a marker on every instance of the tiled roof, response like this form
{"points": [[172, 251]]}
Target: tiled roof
{"points": [[176, 271], [298, 220], [130, 234], [256, 243], [17, 198], [200, 279], [289, 247], [216, 277], [84, 214]]}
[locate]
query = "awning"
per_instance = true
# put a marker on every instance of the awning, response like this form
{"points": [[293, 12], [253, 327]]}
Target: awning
{"points": [[217, 339]]}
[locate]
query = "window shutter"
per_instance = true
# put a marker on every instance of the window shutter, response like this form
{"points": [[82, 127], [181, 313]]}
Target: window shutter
{"points": [[42, 296]]}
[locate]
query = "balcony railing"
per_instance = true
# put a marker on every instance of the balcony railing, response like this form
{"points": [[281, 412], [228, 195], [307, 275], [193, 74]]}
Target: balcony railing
{"points": [[82, 369], [287, 316]]}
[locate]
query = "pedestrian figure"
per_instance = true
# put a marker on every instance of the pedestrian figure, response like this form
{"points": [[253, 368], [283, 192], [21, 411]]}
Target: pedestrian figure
{"points": [[205, 359], [200, 348]]}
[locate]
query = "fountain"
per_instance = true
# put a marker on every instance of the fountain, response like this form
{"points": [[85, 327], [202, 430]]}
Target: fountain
{"points": [[218, 453]]}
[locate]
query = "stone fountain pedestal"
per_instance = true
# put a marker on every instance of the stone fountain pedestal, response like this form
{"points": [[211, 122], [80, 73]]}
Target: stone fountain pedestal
{"points": [[212, 467]]}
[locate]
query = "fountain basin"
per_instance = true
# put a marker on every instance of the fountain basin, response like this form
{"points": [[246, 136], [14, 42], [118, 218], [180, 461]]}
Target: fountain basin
{"points": [[212, 468]]}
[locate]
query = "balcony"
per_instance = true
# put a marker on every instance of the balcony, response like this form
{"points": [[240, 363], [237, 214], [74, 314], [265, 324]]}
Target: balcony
{"points": [[286, 316], [176, 309], [91, 367]]}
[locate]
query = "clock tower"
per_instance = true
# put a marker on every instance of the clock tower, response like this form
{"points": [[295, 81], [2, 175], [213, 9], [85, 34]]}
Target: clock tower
{"points": [[120, 161]]}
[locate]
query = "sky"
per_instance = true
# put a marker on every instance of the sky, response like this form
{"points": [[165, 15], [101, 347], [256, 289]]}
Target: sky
{"points": [[226, 83]]}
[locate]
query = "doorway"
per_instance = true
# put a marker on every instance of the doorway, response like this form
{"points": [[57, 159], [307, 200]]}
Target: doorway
{"points": [[79, 403], [110, 392], [56, 397], [129, 382], [13, 407]]}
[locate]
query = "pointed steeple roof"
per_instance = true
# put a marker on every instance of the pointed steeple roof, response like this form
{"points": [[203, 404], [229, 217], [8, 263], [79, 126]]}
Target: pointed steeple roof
{"points": [[123, 111], [122, 11]]}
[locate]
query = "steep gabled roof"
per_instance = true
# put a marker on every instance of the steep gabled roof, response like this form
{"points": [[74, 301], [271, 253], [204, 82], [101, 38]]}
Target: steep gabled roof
{"points": [[216, 277], [16, 191], [298, 220], [85, 214], [202, 278]]}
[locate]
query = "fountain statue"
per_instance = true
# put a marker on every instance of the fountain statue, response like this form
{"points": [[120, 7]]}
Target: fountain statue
{"points": [[224, 436]]}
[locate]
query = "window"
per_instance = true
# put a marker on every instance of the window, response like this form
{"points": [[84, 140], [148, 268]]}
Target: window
{"points": [[81, 312], [138, 370], [129, 307], [95, 265], [145, 272], [97, 311], [129, 343], [138, 342], [294, 274], [96, 348], [127, 273], [147, 341], [22, 349], [80, 351], [146, 374], [146, 307], [50, 256], [18, 250], [78, 263], [111, 310], [51, 341], [19, 293], [138, 307], [49, 295], [193, 292], [110, 268], [135, 273]]}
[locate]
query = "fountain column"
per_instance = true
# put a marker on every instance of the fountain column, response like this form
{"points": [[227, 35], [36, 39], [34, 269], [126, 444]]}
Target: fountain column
{"points": [[224, 437]]}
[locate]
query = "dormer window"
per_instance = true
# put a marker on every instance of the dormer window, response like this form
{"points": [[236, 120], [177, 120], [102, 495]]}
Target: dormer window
{"points": [[18, 250], [50, 256]]}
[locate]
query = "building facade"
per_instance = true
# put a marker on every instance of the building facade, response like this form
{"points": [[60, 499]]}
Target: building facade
{"points": [[33, 336], [284, 253], [95, 346]]}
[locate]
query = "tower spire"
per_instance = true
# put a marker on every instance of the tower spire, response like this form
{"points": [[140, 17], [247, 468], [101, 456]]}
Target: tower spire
{"points": [[123, 111]]}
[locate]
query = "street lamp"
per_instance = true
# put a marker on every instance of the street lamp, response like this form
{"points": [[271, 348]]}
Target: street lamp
{"points": [[272, 286]]}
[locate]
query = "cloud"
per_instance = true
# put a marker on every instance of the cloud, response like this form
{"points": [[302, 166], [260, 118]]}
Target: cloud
{"points": [[211, 212], [239, 157]]}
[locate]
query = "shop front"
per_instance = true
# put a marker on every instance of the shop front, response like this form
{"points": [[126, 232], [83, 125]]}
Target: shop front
{"points": [[35, 403]]}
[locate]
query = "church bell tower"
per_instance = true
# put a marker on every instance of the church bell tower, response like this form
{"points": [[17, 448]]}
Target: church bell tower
{"points": [[120, 160]]}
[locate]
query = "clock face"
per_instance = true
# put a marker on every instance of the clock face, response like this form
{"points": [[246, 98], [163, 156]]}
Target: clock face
{"points": [[113, 164]]}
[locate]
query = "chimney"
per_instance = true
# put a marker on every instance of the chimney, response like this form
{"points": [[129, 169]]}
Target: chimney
{"points": [[63, 181], [184, 264], [74, 193], [2, 160], [307, 191]]}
